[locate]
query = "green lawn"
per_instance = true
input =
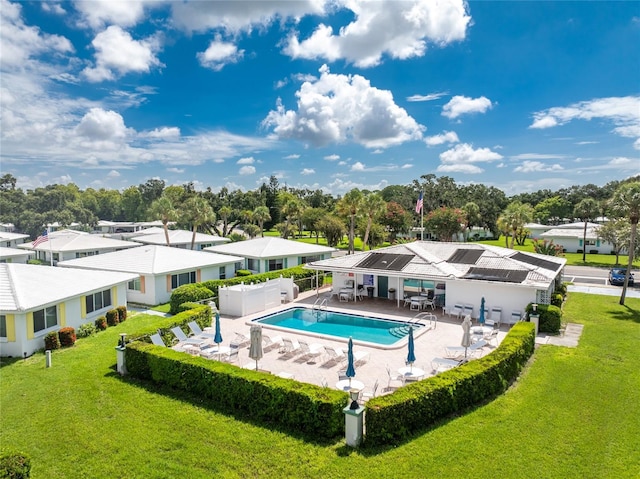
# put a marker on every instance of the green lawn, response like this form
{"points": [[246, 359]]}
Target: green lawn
{"points": [[574, 413]]}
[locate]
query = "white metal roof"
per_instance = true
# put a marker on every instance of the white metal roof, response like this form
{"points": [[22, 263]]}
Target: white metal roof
{"points": [[69, 240], [25, 287], [431, 261], [177, 237], [592, 232], [7, 236], [270, 247], [151, 259], [13, 252]]}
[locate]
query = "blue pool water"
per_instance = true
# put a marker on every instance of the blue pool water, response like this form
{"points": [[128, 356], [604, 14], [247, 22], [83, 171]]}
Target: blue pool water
{"points": [[330, 323]]}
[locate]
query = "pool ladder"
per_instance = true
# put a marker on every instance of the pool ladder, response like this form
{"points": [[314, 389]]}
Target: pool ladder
{"points": [[319, 306]]}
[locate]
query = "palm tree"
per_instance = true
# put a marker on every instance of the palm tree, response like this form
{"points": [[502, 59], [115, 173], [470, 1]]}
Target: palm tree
{"points": [[471, 216], [163, 210], [291, 209], [349, 206], [199, 212], [261, 214], [586, 210], [376, 206], [224, 214], [516, 215], [626, 202]]}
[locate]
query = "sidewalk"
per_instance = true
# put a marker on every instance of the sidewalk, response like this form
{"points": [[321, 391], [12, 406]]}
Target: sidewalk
{"points": [[606, 290]]}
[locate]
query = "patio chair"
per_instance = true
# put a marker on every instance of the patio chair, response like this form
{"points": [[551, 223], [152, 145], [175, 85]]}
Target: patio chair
{"points": [[240, 341], [290, 347], [407, 300], [231, 356], [360, 357], [334, 355], [394, 382], [195, 329], [415, 305], [443, 364], [368, 394], [456, 311], [496, 314], [157, 340], [182, 339], [344, 297], [309, 351], [516, 316], [475, 350], [468, 311], [492, 336], [269, 343]]}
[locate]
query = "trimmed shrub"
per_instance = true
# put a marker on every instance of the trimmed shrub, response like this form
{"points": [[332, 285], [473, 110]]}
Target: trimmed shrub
{"points": [[67, 336], [122, 313], [101, 323], [15, 465], [550, 317], [243, 272], [562, 289], [52, 341], [112, 317], [87, 329], [188, 306], [188, 293], [557, 300]]}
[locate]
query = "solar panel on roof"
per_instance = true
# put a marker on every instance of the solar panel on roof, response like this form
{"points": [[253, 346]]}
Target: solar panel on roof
{"points": [[493, 274], [543, 263], [465, 256], [386, 261]]}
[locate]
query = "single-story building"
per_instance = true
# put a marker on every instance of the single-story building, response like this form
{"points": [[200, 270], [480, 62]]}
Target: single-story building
{"points": [[111, 227], [160, 269], [536, 229], [571, 238], [69, 244], [180, 239], [272, 253], [12, 240], [35, 300], [15, 255], [451, 273]]}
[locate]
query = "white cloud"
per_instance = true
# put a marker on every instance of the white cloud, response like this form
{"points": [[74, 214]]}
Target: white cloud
{"points": [[98, 13], [587, 142], [623, 112], [445, 137], [339, 187], [622, 161], [164, 132], [176, 170], [281, 83], [219, 54], [462, 105], [54, 8], [292, 157], [537, 156], [247, 170], [113, 174], [406, 166], [462, 158], [536, 166], [400, 30], [117, 54], [358, 166], [307, 171], [429, 97], [338, 108], [246, 161], [333, 157], [101, 125]]}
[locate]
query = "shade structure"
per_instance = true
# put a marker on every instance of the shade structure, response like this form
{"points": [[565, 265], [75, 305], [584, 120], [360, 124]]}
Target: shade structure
{"points": [[481, 316], [411, 354], [255, 349], [351, 370], [466, 334], [217, 337]]}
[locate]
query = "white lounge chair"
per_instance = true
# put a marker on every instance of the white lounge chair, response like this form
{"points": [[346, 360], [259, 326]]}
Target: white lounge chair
{"points": [[309, 351], [195, 329], [290, 347], [360, 357], [443, 364], [394, 382], [468, 311], [240, 341], [516, 316], [334, 355], [157, 340], [371, 393], [492, 336], [496, 315], [472, 351], [456, 311], [230, 356], [269, 343], [184, 340]]}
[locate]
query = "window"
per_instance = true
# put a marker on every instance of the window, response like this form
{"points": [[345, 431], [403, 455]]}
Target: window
{"points": [[3, 326], [182, 278], [590, 242], [222, 272], [98, 300], [134, 285], [45, 318], [252, 264], [84, 254], [310, 259], [275, 264]]}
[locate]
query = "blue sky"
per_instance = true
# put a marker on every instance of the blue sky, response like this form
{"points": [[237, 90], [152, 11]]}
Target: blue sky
{"points": [[322, 94]]}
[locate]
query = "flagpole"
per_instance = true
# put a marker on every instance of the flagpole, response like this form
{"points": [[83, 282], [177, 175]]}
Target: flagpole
{"points": [[49, 241], [422, 219]]}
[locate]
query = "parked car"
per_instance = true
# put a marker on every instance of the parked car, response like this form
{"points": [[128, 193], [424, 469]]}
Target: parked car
{"points": [[616, 276]]}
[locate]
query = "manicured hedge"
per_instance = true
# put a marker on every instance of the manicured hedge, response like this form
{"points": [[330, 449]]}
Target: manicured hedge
{"points": [[396, 417], [291, 405], [188, 293], [67, 336], [550, 317]]}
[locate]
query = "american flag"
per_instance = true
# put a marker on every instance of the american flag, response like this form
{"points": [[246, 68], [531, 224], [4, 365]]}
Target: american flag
{"points": [[40, 239], [419, 203]]}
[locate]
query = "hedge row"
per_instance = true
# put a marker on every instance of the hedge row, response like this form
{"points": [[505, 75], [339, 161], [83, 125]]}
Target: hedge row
{"points": [[396, 417]]}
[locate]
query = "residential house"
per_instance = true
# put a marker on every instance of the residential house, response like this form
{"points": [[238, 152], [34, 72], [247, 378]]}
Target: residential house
{"points": [[69, 244], [160, 269], [272, 253], [452, 273], [180, 239], [36, 300], [12, 240], [15, 255], [536, 229], [571, 238]]}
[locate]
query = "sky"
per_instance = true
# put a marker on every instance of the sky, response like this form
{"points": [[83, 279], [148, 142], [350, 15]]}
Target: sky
{"points": [[321, 94]]}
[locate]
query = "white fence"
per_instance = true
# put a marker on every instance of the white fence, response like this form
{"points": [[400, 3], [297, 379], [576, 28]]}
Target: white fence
{"points": [[244, 299]]}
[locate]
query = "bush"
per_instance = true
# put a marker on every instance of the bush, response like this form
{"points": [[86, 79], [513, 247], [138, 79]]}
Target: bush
{"points": [[122, 313], [67, 336], [87, 329], [243, 272], [112, 317], [101, 323], [562, 289], [557, 299], [15, 465], [52, 341], [188, 293], [550, 317]]}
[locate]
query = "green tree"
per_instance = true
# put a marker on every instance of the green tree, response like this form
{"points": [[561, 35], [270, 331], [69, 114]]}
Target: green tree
{"points": [[375, 208], [132, 207], [292, 209], [472, 217], [626, 203], [261, 214], [617, 232], [396, 219], [151, 190], [445, 222], [311, 217], [332, 229], [198, 212], [349, 207], [162, 209], [586, 210], [552, 210], [516, 215]]}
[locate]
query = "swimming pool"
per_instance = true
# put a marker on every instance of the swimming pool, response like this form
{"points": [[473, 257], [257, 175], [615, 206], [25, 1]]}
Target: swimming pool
{"points": [[367, 329]]}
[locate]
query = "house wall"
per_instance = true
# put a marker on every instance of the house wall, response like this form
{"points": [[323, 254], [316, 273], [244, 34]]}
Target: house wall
{"points": [[572, 245], [71, 312]]}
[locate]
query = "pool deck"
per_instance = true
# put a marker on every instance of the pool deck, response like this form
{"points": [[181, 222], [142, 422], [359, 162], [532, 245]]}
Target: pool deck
{"points": [[429, 343]]}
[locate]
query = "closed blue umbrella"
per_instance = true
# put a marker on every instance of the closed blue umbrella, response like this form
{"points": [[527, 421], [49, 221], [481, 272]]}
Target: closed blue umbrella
{"points": [[411, 355], [217, 338], [351, 370], [481, 317]]}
